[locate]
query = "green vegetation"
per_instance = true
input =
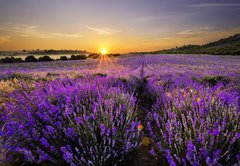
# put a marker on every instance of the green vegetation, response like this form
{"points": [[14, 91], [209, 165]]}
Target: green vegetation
{"points": [[11, 60], [15, 75], [78, 57], [45, 58], [31, 58], [54, 52], [213, 80], [227, 46], [63, 58]]}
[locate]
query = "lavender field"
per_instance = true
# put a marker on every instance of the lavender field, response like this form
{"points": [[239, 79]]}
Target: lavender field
{"points": [[126, 110]]}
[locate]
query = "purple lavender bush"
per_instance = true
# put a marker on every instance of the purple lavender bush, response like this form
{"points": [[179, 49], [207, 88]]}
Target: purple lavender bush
{"points": [[79, 122], [188, 107], [195, 124]]}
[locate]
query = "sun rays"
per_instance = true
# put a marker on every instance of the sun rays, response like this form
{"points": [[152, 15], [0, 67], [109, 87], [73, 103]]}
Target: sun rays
{"points": [[104, 51]]}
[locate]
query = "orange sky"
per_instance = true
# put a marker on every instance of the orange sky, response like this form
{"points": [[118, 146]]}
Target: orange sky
{"points": [[115, 43], [119, 26]]}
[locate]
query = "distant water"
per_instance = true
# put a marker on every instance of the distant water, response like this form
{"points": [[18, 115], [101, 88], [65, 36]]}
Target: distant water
{"points": [[57, 56]]}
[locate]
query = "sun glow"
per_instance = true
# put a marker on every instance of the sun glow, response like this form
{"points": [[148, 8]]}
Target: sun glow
{"points": [[105, 59], [103, 51]]}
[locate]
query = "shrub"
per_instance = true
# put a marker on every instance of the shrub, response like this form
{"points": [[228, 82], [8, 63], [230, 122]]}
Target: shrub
{"points": [[213, 80], [15, 75], [63, 58], [68, 121], [99, 75], [11, 60], [45, 59], [78, 57], [31, 58], [195, 126]]}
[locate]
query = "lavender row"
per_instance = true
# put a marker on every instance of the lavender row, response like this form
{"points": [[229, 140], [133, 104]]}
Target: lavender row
{"points": [[79, 122]]}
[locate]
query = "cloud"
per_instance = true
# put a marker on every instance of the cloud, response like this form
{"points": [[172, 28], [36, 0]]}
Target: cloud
{"points": [[149, 18], [192, 36], [69, 35], [4, 39], [203, 5], [103, 30], [194, 31], [24, 30]]}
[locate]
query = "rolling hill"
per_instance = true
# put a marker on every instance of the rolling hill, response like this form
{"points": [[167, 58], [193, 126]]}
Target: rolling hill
{"points": [[226, 46]]}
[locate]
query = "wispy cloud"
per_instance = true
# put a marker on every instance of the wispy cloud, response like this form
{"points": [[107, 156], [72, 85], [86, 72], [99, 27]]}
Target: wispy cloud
{"points": [[4, 39], [69, 35], [24, 30], [29, 31], [148, 18], [194, 31], [103, 30], [203, 5]]}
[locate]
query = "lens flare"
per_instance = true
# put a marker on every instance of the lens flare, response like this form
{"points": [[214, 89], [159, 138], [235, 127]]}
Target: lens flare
{"points": [[104, 51]]}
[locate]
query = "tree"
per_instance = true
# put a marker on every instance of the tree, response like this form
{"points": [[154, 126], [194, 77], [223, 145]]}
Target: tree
{"points": [[78, 57], [31, 58], [63, 58], [11, 60], [45, 59]]}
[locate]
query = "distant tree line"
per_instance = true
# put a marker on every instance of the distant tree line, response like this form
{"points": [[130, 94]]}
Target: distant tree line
{"points": [[78, 57], [11, 60], [45, 58], [54, 52], [32, 58]]}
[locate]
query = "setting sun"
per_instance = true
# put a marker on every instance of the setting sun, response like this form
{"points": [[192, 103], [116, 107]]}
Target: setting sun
{"points": [[104, 51]]}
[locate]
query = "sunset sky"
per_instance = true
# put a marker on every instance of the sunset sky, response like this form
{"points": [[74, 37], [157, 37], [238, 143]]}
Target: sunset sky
{"points": [[118, 25]]}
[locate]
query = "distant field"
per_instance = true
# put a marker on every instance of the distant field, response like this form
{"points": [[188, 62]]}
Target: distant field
{"points": [[126, 110], [132, 64]]}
